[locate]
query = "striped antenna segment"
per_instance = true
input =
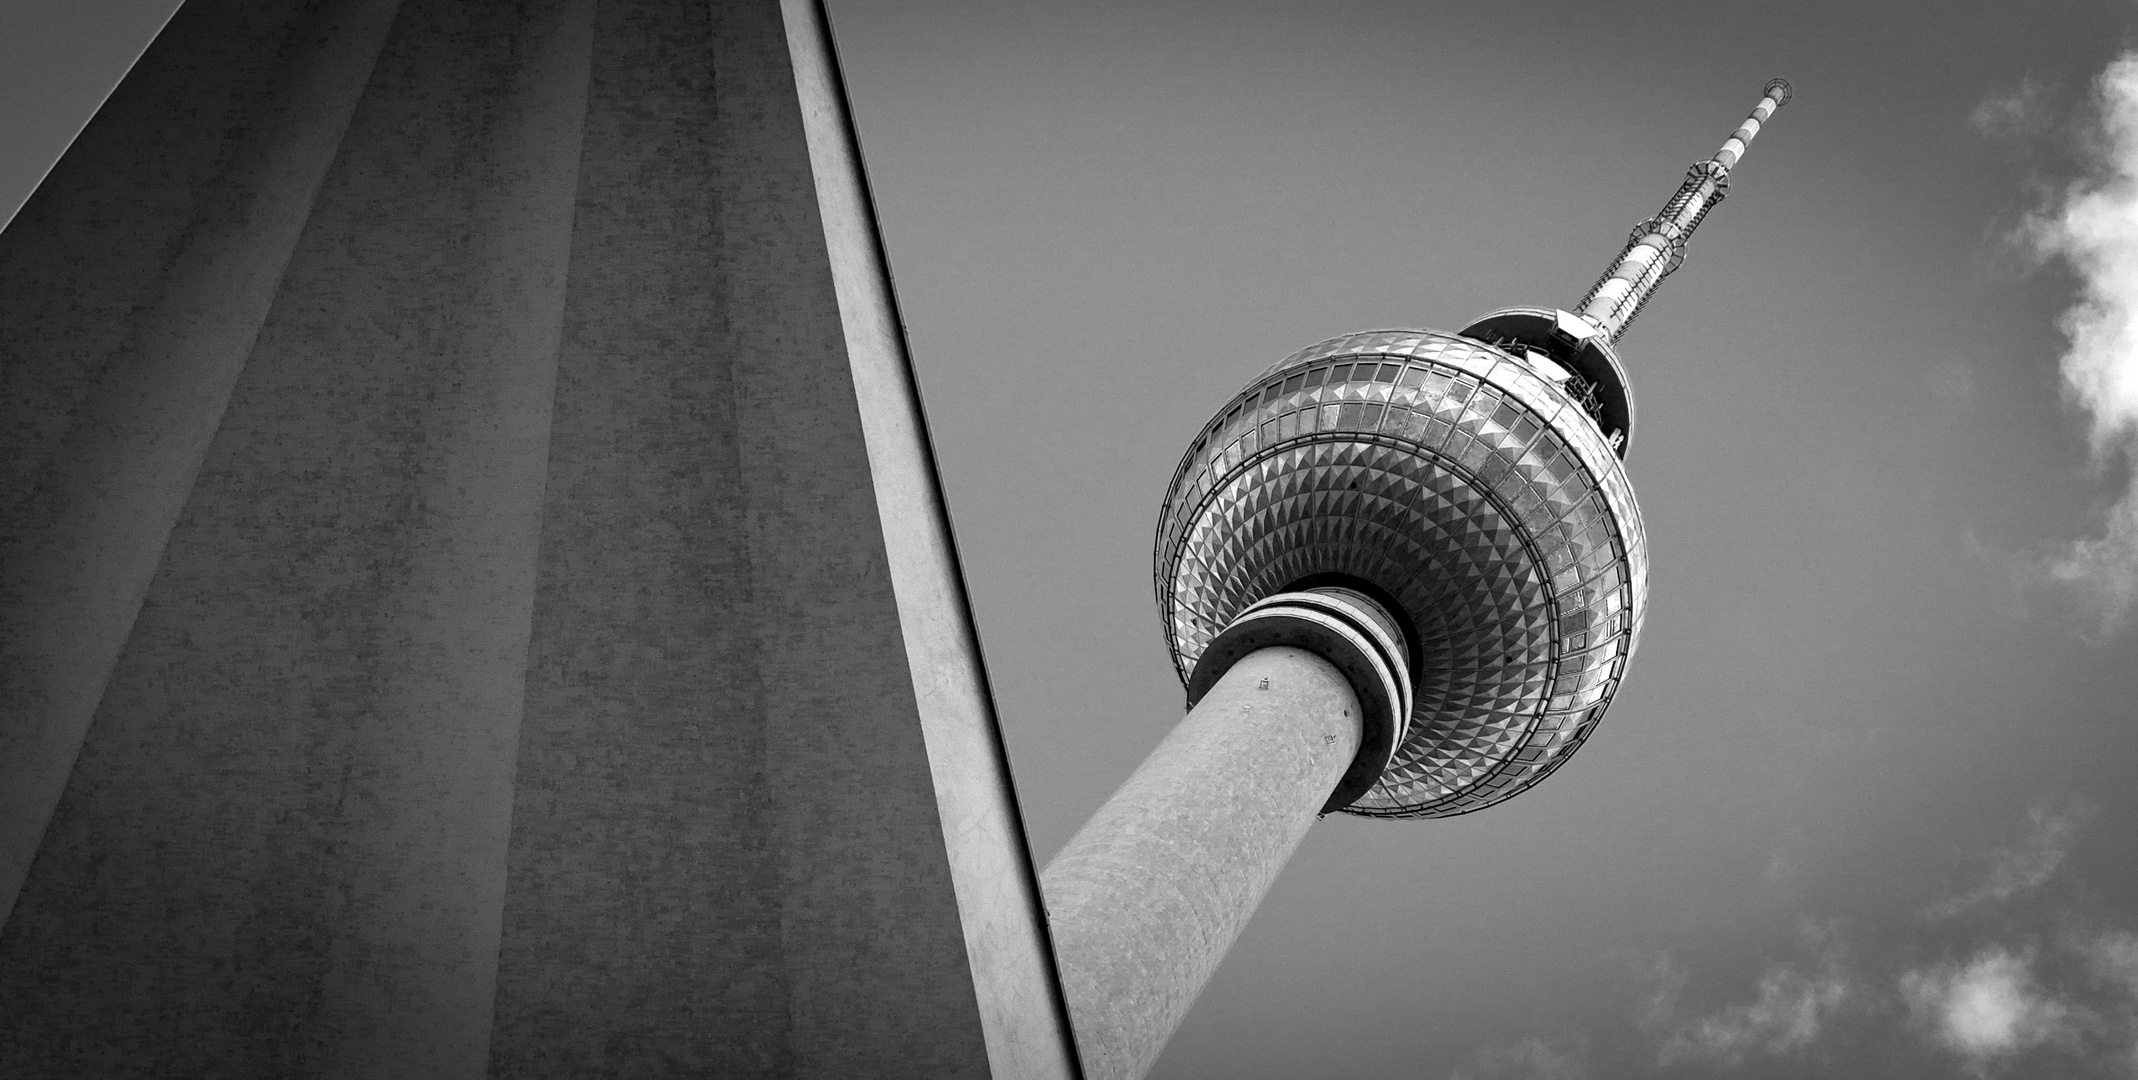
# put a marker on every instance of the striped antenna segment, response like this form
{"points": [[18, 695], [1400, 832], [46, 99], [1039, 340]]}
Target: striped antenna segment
{"points": [[1657, 245]]}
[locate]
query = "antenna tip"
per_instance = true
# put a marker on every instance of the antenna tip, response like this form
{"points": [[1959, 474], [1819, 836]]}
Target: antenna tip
{"points": [[1778, 89]]}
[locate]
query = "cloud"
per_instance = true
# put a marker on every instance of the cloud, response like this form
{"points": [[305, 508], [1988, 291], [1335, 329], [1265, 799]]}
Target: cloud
{"points": [[2103, 570], [1785, 1018], [2114, 958], [1667, 980], [2022, 867], [2092, 227], [2024, 111], [1987, 1008], [2004, 1001], [1561, 1057], [1913, 998]]}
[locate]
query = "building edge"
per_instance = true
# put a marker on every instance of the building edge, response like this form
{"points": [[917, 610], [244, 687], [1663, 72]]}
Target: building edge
{"points": [[1024, 1014]]}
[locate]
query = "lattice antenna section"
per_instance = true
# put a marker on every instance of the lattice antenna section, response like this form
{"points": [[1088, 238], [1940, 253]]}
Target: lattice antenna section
{"points": [[1657, 245]]}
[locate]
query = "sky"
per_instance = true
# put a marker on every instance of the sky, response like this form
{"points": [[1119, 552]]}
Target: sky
{"points": [[1862, 805]]}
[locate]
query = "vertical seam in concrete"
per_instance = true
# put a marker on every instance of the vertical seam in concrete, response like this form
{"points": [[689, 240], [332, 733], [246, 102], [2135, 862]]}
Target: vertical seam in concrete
{"points": [[926, 578], [584, 72], [568, 60]]}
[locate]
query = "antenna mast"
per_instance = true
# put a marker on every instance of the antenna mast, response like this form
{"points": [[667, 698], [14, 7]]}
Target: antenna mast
{"points": [[1657, 245]]}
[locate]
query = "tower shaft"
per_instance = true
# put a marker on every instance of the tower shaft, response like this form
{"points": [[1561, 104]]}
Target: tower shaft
{"points": [[1293, 711], [1150, 894], [1657, 245]]}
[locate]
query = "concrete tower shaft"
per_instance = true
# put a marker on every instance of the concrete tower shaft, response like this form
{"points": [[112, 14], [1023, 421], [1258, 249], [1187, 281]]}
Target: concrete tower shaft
{"points": [[1294, 711], [1657, 245]]}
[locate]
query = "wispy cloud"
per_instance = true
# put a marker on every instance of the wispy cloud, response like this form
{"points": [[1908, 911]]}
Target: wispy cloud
{"points": [[1791, 1006], [2114, 958], [2075, 1006], [2023, 111], [2092, 227], [1562, 1057], [2005, 998], [2022, 867], [2035, 987], [1666, 980], [1987, 1008]]}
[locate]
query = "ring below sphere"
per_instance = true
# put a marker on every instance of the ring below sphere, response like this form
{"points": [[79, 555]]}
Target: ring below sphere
{"points": [[1477, 494]]}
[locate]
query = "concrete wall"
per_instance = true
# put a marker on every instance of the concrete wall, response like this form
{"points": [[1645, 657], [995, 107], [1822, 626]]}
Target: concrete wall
{"points": [[478, 599]]}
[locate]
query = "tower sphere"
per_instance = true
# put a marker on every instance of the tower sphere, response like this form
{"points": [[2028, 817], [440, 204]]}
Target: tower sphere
{"points": [[1470, 487], [1470, 484]]}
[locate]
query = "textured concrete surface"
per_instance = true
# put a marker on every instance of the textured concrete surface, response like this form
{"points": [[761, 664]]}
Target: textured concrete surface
{"points": [[524, 687], [282, 849], [1147, 897], [132, 286]]}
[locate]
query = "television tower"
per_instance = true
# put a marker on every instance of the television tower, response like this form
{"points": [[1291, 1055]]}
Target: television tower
{"points": [[1401, 574]]}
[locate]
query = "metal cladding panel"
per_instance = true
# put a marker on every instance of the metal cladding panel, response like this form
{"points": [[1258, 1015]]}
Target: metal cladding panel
{"points": [[1476, 493]]}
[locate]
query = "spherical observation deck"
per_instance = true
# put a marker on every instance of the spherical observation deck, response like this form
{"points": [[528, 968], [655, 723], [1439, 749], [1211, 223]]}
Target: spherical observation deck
{"points": [[1470, 492]]}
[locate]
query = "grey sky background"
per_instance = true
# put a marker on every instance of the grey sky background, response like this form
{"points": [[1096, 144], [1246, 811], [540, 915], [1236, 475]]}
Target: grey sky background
{"points": [[1864, 805]]}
